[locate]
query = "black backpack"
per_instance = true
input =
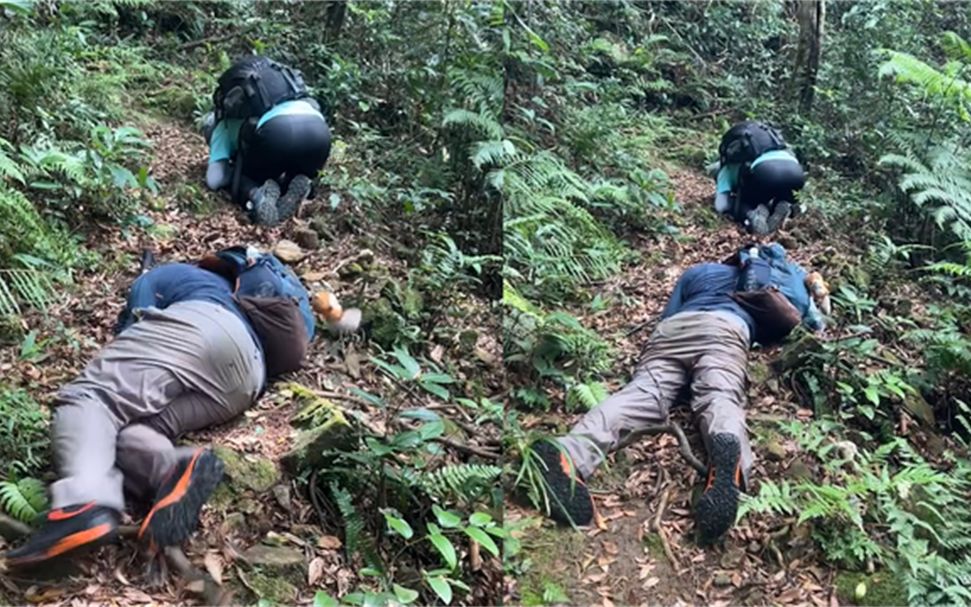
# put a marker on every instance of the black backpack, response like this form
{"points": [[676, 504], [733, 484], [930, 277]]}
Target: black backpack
{"points": [[748, 140], [255, 84]]}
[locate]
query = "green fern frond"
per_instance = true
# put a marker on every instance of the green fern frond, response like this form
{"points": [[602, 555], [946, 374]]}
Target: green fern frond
{"points": [[24, 499], [461, 482], [482, 124], [586, 396]]}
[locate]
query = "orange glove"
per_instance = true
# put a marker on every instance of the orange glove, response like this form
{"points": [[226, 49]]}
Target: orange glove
{"points": [[820, 292], [326, 304]]}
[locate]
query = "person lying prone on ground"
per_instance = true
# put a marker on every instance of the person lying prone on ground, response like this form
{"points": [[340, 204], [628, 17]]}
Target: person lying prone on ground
{"points": [[195, 349], [715, 312]]}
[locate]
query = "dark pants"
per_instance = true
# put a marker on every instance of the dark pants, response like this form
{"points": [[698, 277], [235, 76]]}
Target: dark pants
{"points": [[281, 149], [769, 182]]}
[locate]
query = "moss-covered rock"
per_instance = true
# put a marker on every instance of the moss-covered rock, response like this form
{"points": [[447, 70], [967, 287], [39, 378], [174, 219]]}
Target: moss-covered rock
{"points": [[384, 323], [882, 588], [272, 587], [336, 434], [247, 472]]}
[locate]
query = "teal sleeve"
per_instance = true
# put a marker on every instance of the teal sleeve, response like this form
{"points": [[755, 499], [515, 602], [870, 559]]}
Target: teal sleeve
{"points": [[222, 145], [727, 178]]}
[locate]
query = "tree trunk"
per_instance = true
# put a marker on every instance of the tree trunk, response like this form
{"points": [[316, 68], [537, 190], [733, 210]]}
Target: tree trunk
{"points": [[811, 14], [336, 15]]}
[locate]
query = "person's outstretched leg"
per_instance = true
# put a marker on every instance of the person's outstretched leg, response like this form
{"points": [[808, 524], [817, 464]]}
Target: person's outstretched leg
{"points": [[644, 401], [718, 398]]}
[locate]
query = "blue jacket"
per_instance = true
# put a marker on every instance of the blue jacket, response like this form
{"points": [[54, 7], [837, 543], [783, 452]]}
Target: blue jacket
{"points": [[175, 282], [707, 287]]}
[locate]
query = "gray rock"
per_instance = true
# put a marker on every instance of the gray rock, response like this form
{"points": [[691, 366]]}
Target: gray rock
{"points": [[273, 557], [288, 251]]}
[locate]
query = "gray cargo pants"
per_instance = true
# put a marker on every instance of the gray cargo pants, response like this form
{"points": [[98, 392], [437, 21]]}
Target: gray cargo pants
{"points": [[709, 351], [189, 366]]}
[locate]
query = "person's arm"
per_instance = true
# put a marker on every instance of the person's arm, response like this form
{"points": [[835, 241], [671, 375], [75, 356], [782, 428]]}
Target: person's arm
{"points": [[222, 148], [676, 301]]}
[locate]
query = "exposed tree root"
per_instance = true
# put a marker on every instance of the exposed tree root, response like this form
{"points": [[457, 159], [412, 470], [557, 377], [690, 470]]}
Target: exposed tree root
{"points": [[12, 529], [671, 427]]}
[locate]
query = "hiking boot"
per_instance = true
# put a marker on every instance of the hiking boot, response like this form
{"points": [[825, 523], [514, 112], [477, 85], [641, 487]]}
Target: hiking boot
{"points": [[262, 204], [758, 220], [569, 500], [779, 215], [718, 505], [65, 531], [187, 487], [297, 192]]}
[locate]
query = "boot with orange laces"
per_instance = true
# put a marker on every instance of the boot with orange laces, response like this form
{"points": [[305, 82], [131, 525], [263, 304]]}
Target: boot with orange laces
{"points": [[569, 499], [185, 490], [65, 531], [716, 510]]}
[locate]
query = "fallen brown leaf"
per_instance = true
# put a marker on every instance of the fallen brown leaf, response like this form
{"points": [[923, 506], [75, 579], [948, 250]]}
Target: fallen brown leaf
{"points": [[214, 565], [315, 571], [329, 542]]}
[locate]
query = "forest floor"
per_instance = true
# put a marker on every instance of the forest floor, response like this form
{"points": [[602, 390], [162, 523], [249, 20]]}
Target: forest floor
{"points": [[260, 535], [645, 492]]}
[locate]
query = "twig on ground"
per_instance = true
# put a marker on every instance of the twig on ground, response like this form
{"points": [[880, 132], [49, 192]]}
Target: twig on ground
{"points": [[467, 448], [671, 427], [656, 525]]}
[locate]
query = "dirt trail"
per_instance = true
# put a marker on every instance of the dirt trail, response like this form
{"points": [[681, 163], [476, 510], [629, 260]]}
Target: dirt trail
{"points": [[188, 222], [628, 563]]}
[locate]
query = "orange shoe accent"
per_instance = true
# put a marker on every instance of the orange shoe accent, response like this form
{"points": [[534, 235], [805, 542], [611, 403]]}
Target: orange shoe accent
{"points": [[59, 514], [177, 493], [738, 476], [76, 540], [711, 478]]}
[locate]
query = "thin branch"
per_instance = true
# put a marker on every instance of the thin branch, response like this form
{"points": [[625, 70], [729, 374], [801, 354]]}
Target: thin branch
{"points": [[467, 448], [671, 427], [656, 525]]}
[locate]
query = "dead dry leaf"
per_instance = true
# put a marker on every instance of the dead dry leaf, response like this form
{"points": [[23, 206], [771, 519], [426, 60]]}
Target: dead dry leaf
{"points": [[329, 542], [315, 571], [214, 565]]}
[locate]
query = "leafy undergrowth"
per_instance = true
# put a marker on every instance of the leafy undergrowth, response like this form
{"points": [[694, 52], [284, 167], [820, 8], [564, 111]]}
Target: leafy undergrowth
{"points": [[263, 537], [772, 555]]}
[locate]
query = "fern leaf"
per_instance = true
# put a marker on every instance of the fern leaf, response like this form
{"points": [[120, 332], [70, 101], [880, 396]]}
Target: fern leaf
{"points": [[24, 499]]}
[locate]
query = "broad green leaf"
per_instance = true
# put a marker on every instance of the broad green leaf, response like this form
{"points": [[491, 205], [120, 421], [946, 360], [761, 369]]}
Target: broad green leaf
{"points": [[446, 518], [445, 548], [411, 366], [398, 524], [422, 414], [480, 519], [483, 539], [322, 599], [438, 378], [434, 389], [405, 595], [432, 430], [441, 588]]}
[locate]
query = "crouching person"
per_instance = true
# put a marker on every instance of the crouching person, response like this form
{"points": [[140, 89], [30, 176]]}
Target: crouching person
{"points": [[715, 312], [266, 136], [757, 178], [196, 346]]}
